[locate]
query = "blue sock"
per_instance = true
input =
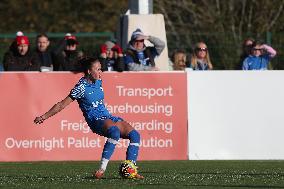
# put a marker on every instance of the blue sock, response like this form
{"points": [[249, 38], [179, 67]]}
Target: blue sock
{"points": [[113, 135], [133, 148]]}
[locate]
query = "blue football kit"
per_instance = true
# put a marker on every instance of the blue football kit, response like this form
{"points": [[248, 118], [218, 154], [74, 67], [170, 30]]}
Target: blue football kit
{"points": [[90, 97]]}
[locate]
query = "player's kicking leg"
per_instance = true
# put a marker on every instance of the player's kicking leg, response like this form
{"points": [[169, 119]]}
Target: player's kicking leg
{"points": [[113, 135], [124, 130]]}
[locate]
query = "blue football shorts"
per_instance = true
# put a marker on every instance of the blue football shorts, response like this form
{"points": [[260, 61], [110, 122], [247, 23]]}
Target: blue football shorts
{"points": [[97, 125]]}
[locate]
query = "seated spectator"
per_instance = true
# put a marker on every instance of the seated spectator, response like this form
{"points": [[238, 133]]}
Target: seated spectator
{"points": [[111, 57], [260, 55], [138, 56], [43, 53], [13, 47], [179, 60], [67, 56], [246, 47], [20, 58], [200, 59]]}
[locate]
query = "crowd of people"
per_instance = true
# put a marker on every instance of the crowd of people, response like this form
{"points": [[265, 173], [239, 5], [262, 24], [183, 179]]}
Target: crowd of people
{"points": [[136, 57], [255, 56]]}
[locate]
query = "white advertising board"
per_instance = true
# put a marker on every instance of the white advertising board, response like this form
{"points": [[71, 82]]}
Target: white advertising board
{"points": [[235, 115]]}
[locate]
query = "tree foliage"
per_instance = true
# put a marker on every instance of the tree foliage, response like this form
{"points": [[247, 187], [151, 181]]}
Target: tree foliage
{"points": [[223, 24], [60, 15]]}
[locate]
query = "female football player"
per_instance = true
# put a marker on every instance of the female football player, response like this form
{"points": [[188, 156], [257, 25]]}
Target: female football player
{"points": [[90, 96]]}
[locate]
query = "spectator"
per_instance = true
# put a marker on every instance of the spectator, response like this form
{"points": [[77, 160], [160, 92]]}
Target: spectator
{"points": [[259, 57], [111, 57], [43, 53], [67, 56], [138, 56], [246, 47], [13, 47], [200, 59], [21, 59], [179, 60]]}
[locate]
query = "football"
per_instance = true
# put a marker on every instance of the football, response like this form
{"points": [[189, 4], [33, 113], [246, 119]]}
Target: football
{"points": [[127, 169]]}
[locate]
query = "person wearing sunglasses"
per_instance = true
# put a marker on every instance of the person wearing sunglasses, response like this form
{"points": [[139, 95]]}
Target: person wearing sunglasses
{"points": [[246, 47], [259, 58], [138, 56], [200, 59]]}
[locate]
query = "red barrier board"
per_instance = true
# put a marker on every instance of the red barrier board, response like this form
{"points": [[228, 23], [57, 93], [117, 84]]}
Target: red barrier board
{"points": [[155, 104]]}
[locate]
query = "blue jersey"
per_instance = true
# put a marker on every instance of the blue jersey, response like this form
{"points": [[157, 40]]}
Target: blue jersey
{"points": [[90, 97], [256, 62]]}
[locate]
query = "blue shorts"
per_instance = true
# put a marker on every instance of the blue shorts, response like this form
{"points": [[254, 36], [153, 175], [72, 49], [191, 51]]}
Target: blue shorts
{"points": [[97, 125]]}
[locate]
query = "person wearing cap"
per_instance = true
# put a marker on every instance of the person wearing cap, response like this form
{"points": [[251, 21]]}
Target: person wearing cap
{"points": [[43, 52], [139, 57], [21, 59], [13, 47], [67, 57], [111, 57]]}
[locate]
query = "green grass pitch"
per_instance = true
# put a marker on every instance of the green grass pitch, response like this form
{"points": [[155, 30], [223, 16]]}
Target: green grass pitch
{"points": [[158, 174]]}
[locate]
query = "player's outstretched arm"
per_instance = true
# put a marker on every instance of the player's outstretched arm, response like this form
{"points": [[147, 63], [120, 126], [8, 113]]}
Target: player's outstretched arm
{"points": [[54, 110]]}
